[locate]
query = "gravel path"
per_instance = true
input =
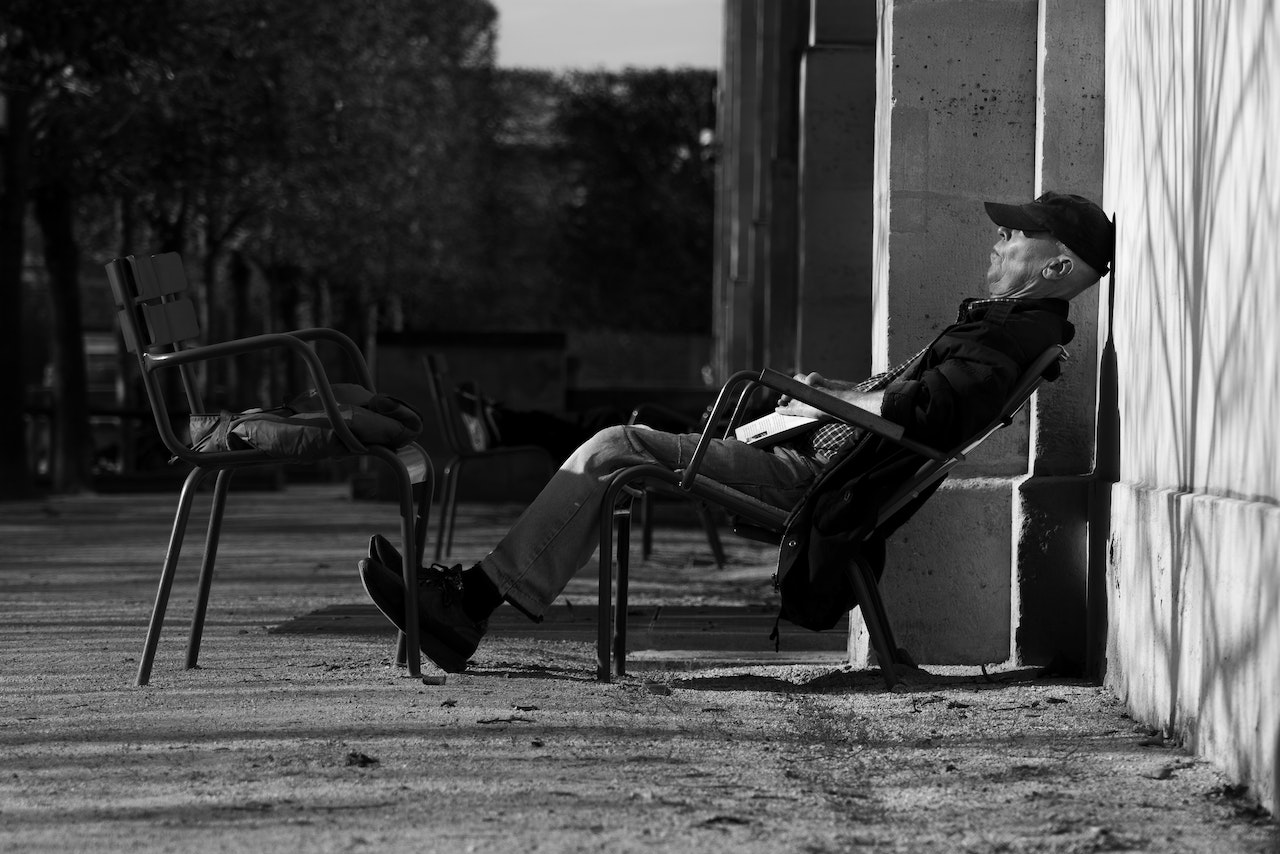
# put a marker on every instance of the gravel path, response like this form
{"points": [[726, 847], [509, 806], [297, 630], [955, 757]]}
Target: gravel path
{"points": [[298, 743]]}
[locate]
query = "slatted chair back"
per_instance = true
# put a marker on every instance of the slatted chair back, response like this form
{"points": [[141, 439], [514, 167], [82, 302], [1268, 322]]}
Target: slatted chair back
{"points": [[444, 402], [1046, 366], [156, 316]]}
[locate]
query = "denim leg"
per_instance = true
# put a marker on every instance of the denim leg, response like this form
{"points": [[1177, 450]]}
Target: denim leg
{"points": [[558, 533]]}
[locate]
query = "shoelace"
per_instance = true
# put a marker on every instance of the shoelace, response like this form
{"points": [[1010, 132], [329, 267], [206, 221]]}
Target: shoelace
{"points": [[448, 577]]}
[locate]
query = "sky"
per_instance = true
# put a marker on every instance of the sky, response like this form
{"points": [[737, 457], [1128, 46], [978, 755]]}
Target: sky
{"points": [[609, 34]]}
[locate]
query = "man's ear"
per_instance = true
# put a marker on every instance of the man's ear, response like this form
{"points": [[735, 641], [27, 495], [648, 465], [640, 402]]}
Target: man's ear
{"points": [[1058, 268]]}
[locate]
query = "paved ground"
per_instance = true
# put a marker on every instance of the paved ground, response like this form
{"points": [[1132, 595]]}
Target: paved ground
{"points": [[287, 739]]}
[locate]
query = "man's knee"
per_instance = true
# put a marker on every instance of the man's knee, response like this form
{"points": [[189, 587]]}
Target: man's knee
{"points": [[604, 451]]}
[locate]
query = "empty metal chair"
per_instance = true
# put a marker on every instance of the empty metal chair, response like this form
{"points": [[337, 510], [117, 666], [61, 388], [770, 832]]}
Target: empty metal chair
{"points": [[158, 322], [462, 450]]}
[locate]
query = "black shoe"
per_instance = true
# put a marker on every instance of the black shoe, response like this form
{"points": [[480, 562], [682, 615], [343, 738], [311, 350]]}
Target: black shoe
{"points": [[446, 634], [381, 550]]}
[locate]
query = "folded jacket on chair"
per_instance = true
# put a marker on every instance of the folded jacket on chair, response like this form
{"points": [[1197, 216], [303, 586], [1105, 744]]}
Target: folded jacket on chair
{"points": [[301, 430]]}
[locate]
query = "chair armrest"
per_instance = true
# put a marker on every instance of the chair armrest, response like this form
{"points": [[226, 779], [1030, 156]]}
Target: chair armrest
{"points": [[820, 400], [847, 412], [831, 405], [723, 401], [255, 343], [344, 342]]}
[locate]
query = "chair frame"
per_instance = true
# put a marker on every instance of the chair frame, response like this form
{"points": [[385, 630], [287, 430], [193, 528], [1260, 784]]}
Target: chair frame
{"points": [[449, 419], [762, 521], [157, 320]]}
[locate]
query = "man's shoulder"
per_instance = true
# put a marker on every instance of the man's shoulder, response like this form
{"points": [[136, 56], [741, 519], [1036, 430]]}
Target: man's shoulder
{"points": [[1016, 327]]}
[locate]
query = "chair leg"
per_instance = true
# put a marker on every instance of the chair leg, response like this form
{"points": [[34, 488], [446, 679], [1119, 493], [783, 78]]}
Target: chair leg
{"points": [[448, 508], [420, 528], [620, 607], [646, 523], [189, 487], [410, 566], [713, 534], [420, 534], [407, 645], [604, 607], [868, 594], [402, 649], [216, 509]]}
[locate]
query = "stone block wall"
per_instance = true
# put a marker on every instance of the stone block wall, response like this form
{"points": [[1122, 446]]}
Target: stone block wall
{"points": [[1193, 559]]}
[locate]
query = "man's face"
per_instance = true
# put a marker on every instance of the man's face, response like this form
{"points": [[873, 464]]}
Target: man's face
{"points": [[1017, 259]]}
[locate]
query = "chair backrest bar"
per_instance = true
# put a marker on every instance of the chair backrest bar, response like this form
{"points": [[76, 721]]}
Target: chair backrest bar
{"points": [[445, 401], [932, 470], [156, 315]]}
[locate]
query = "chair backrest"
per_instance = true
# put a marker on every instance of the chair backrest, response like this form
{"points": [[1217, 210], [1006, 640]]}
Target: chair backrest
{"points": [[444, 402], [1046, 366], [156, 316]]}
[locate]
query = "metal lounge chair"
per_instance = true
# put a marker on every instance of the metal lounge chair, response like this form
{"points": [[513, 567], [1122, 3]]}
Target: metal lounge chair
{"points": [[762, 521], [158, 321], [462, 450]]}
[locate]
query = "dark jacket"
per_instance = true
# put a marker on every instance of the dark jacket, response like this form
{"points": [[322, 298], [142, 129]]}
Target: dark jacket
{"points": [[956, 388]]}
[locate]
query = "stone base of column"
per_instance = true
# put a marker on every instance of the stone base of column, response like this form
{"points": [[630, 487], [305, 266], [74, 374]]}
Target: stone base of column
{"points": [[1051, 555], [947, 580]]}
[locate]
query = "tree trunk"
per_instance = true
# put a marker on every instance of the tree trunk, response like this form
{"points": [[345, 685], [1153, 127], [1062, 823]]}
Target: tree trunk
{"points": [[15, 149], [72, 452], [242, 385]]}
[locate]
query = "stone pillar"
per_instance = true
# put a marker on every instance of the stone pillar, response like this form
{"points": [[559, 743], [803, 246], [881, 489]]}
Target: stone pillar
{"points": [[734, 300], [756, 237], [782, 31], [956, 125], [837, 140], [1052, 503]]}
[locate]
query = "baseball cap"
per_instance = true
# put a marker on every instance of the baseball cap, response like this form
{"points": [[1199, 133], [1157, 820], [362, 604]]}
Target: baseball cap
{"points": [[1078, 223]]}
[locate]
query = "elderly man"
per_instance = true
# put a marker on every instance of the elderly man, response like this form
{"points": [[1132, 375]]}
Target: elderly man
{"points": [[1047, 251]]}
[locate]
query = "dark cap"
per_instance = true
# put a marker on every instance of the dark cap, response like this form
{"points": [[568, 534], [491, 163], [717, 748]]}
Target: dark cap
{"points": [[1078, 223]]}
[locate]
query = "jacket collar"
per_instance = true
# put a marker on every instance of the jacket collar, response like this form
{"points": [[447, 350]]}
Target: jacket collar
{"points": [[975, 308]]}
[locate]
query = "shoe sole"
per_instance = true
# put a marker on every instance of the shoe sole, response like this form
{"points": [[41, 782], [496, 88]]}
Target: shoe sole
{"points": [[444, 656]]}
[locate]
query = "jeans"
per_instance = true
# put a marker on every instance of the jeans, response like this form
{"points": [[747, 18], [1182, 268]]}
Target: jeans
{"points": [[557, 534]]}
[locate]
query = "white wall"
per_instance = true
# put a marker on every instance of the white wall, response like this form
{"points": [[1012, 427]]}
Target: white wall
{"points": [[1192, 173]]}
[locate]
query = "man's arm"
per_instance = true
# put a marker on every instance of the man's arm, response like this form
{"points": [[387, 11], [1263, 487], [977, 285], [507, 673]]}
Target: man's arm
{"points": [[871, 401]]}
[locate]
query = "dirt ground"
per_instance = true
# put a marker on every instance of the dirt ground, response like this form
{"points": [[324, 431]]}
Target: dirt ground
{"points": [[287, 742]]}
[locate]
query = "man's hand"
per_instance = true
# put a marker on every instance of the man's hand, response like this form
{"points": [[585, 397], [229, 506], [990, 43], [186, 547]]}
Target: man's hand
{"points": [[842, 389]]}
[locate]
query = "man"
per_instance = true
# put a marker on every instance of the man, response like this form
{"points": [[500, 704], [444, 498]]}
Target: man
{"points": [[1046, 253]]}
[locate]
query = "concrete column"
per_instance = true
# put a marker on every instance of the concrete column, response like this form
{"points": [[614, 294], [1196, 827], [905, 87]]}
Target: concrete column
{"points": [[1051, 504], [837, 141], [781, 33], [733, 296], [757, 224], [956, 125]]}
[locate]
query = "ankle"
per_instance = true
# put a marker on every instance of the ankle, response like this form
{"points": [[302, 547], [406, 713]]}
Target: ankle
{"points": [[480, 596]]}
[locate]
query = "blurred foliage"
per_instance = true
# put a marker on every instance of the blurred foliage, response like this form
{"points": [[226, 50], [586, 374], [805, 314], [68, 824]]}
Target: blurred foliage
{"points": [[634, 246], [353, 164]]}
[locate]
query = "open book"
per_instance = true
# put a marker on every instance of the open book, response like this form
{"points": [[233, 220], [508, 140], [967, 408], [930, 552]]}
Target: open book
{"points": [[773, 428]]}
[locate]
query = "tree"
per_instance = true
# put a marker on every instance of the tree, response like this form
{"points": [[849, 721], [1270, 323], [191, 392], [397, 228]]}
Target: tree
{"points": [[49, 55], [249, 134], [636, 247]]}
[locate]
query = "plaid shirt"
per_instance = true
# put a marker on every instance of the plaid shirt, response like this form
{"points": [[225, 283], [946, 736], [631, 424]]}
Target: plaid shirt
{"points": [[822, 443]]}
